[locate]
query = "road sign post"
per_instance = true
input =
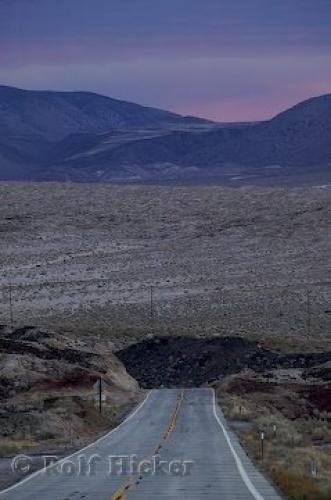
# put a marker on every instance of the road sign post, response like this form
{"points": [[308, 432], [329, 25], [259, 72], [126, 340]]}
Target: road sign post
{"points": [[99, 393]]}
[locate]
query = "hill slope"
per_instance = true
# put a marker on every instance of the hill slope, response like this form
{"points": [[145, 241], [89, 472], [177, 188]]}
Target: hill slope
{"points": [[46, 382], [87, 137], [55, 115], [285, 139], [31, 122]]}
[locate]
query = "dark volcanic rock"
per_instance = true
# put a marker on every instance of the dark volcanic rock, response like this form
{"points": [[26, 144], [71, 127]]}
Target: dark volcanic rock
{"points": [[183, 361]]}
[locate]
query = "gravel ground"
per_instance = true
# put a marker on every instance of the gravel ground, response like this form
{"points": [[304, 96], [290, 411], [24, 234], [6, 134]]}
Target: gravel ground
{"points": [[127, 261]]}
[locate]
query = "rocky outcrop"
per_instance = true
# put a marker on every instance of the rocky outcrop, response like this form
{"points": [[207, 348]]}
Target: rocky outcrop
{"points": [[322, 372], [47, 379], [190, 362]]}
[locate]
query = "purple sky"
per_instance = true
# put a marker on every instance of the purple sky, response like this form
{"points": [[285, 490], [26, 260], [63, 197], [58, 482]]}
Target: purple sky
{"points": [[222, 59]]}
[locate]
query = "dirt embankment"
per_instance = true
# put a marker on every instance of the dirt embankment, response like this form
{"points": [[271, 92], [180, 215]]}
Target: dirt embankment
{"points": [[46, 389], [292, 408]]}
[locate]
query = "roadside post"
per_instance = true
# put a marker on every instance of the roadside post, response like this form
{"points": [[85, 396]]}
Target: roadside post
{"points": [[99, 393], [262, 436], [314, 469]]}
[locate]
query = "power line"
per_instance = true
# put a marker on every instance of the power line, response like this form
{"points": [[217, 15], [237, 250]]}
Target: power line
{"points": [[225, 290]]}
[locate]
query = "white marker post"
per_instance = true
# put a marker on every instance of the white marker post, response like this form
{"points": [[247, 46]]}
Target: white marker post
{"points": [[262, 445]]}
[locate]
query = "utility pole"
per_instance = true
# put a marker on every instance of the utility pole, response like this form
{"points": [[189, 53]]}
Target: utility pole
{"points": [[11, 316], [308, 313], [100, 395], [71, 423], [152, 303], [152, 309], [266, 317]]}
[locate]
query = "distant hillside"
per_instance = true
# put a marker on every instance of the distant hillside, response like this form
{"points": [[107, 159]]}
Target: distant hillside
{"points": [[54, 115], [87, 137], [33, 122], [294, 141]]}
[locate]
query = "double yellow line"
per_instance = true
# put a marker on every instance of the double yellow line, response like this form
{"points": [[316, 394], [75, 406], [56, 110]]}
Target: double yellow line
{"points": [[120, 492], [174, 416]]}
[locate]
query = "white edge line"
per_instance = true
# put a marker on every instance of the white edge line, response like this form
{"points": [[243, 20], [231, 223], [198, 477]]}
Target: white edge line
{"points": [[42, 470], [238, 461]]}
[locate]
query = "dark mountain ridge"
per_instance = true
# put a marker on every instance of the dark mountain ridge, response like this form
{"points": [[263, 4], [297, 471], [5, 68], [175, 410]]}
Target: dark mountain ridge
{"points": [[54, 115], [83, 136]]}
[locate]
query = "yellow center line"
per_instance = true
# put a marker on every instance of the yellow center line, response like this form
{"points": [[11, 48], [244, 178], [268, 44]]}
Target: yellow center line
{"points": [[120, 492]]}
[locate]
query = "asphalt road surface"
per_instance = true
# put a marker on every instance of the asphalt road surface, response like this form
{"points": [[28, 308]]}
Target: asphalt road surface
{"points": [[175, 445]]}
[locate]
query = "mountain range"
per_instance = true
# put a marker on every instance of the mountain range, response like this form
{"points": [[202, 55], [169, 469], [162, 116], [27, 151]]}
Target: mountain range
{"points": [[83, 136]]}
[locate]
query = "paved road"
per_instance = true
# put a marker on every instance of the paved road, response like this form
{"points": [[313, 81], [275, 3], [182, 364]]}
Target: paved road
{"points": [[183, 429]]}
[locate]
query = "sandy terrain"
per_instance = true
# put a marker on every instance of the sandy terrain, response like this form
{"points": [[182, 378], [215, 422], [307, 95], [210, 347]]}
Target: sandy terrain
{"points": [[250, 261]]}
